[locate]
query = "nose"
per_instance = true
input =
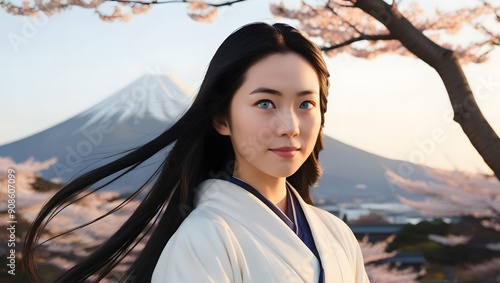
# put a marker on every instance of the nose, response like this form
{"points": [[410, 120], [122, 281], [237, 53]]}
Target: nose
{"points": [[288, 124]]}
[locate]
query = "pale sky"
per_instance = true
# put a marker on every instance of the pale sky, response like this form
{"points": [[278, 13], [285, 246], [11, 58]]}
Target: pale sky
{"points": [[392, 106]]}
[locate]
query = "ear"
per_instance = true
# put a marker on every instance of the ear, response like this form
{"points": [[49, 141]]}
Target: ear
{"points": [[221, 125]]}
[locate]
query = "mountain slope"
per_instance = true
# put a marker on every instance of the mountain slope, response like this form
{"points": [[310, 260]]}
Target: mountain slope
{"points": [[354, 175], [129, 118], [148, 106]]}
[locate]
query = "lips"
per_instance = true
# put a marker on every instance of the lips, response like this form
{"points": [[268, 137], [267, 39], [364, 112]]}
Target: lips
{"points": [[286, 151]]}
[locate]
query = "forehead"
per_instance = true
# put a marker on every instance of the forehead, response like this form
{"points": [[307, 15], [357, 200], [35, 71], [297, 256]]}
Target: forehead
{"points": [[283, 70]]}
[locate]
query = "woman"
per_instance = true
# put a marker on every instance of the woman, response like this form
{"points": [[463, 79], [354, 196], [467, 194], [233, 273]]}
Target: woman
{"points": [[231, 201]]}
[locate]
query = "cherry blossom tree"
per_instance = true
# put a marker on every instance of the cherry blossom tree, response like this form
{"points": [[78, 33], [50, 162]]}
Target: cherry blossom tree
{"points": [[488, 268], [457, 194], [362, 28], [112, 10], [454, 194], [385, 273], [59, 248]]}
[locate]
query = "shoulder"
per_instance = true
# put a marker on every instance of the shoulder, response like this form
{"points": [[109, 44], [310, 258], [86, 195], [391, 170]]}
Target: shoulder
{"points": [[335, 226], [200, 223], [331, 219], [197, 252], [202, 232]]}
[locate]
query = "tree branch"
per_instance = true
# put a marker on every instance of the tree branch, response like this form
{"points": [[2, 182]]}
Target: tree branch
{"points": [[445, 62], [494, 38], [337, 3], [53, 6], [216, 5], [342, 18], [359, 38]]}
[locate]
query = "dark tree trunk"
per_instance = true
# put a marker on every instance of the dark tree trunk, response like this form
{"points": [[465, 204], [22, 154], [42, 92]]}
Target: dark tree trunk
{"points": [[445, 62]]}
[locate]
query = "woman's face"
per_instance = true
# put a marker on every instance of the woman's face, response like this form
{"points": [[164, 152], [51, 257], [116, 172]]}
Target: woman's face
{"points": [[275, 117]]}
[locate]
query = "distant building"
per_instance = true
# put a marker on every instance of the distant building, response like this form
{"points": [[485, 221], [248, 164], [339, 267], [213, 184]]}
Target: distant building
{"points": [[375, 232], [393, 213], [405, 259]]}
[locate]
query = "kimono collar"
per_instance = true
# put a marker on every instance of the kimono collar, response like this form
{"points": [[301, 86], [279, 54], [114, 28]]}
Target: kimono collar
{"points": [[289, 217]]}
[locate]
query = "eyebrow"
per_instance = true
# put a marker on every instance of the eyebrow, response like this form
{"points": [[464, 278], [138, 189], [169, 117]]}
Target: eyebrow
{"points": [[276, 92]]}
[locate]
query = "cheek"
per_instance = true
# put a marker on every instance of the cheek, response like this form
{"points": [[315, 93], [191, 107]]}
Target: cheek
{"points": [[312, 126], [248, 129]]}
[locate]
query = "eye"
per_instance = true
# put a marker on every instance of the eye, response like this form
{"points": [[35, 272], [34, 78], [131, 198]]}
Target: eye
{"points": [[265, 104], [306, 105]]}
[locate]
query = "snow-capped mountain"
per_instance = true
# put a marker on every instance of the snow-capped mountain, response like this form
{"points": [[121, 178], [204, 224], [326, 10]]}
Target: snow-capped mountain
{"points": [[161, 98], [149, 105], [126, 119]]}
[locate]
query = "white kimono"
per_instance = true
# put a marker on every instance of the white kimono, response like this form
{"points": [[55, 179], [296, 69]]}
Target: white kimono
{"points": [[232, 236]]}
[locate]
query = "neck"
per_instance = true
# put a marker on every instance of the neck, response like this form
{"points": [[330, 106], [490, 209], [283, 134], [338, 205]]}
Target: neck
{"points": [[272, 188]]}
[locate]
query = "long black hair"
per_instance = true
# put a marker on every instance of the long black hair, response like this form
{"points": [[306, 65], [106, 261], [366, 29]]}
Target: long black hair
{"points": [[199, 152]]}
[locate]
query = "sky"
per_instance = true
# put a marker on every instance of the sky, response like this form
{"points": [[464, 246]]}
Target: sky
{"points": [[392, 106]]}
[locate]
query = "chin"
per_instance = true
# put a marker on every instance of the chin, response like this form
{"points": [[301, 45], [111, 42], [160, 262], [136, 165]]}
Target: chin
{"points": [[283, 173]]}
